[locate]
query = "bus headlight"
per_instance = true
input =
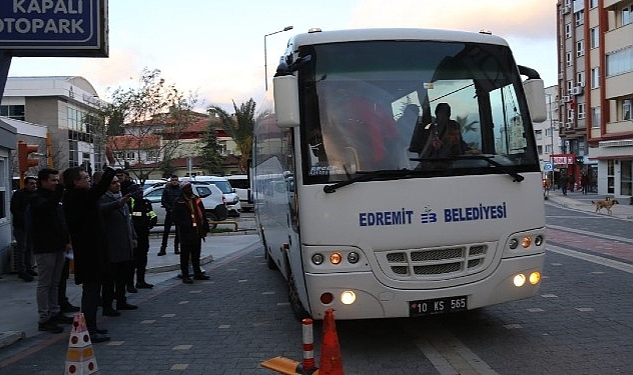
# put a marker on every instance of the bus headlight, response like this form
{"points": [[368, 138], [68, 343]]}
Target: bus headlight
{"points": [[519, 280], [514, 243], [535, 278], [353, 257], [348, 297], [317, 259], [538, 241], [526, 242]]}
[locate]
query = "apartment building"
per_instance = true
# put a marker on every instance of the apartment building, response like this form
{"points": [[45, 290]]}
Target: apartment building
{"points": [[595, 61], [62, 105]]}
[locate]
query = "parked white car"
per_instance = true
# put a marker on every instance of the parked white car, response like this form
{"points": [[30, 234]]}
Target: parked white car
{"points": [[242, 188], [211, 196], [233, 204]]}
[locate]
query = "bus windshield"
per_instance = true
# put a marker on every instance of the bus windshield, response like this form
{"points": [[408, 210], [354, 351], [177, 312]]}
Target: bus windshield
{"points": [[417, 106]]}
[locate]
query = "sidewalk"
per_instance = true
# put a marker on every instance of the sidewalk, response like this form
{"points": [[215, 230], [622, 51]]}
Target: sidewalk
{"points": [[582, 202], [18, 308]]}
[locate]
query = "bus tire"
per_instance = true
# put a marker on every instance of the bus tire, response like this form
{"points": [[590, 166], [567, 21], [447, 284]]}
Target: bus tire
{"points": [[298, 310]]}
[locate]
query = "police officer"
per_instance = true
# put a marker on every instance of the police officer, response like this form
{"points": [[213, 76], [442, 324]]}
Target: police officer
{"points": [[143, 219]]}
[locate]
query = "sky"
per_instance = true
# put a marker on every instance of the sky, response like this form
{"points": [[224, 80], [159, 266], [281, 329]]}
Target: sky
{"points": [[215, 49]]}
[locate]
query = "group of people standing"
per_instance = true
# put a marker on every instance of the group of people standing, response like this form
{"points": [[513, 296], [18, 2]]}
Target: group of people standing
{"points": [[103, 224]]}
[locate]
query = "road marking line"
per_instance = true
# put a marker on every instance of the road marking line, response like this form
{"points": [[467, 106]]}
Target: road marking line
{"points": [[448, 355], [593, 234], [592, 258]]}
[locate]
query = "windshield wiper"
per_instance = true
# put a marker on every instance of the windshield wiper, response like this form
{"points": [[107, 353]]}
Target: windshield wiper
{"points": [[369, 176], [517, 177]]}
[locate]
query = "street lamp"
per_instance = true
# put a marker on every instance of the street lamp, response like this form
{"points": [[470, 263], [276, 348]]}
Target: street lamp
{"points": [[265, 56]]}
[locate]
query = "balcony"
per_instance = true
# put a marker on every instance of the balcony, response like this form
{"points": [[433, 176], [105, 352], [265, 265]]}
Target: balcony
{"points": [[619, 85]]}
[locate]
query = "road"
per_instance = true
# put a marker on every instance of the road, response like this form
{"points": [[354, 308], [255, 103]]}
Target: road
{"points": [[580, 323]]}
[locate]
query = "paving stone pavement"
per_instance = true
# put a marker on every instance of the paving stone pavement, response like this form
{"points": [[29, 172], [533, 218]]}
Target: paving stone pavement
{"points": [[192, 329]]}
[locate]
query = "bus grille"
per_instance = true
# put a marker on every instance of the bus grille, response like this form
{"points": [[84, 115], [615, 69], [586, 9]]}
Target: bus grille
{"points": [[454, 261]]}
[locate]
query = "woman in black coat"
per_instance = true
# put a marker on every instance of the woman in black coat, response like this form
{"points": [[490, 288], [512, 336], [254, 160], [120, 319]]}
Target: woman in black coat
{"points": [[85, 224]]}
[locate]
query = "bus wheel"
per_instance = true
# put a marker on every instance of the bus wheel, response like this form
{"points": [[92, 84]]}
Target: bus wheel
{"points": [[295, 303]]}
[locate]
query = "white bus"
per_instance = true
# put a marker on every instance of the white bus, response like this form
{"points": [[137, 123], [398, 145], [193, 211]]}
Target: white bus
{"points": [[367, 199]]}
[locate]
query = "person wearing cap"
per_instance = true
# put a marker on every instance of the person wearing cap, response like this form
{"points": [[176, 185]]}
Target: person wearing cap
{"points": [[143, 219], [192, 226]]}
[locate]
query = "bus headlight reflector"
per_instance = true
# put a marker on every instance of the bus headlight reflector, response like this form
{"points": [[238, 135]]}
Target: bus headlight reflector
{"points": [[514, 243], [348, 297], [538, 241], [317, 259], [519, 279], [335, 258], [353, 257], [327, 298], [535, 278], [526, 242]]}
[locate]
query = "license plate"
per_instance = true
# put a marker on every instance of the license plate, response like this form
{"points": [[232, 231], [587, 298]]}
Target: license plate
{"points": [[438, 306]]}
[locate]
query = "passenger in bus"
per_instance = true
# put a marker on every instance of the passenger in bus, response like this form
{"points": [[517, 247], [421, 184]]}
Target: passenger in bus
{"points": [[441, 138]]}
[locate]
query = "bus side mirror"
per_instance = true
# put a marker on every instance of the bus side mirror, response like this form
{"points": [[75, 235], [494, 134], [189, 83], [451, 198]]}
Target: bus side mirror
{"points": [[286, 94], [535, 94]]}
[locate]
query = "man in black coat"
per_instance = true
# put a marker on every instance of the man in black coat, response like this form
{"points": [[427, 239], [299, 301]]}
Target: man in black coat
{"points": [[81, 206], [24, 246], [144, 219], [170, 193], [46, 225]]}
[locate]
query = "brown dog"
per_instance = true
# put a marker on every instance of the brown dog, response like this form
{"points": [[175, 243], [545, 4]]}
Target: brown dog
{"points": [[607, 203]]}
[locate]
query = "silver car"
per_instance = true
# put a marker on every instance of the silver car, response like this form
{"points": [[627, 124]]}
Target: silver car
{"points": [[212, 198]]}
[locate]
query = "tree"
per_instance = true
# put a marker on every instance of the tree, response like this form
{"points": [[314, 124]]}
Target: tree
{"points": [[141, 125], [239, 126], [210, 150]]}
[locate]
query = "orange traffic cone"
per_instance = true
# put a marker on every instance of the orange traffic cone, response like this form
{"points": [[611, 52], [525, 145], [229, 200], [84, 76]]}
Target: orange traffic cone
{"points": [[331, 361], [80, 358]]}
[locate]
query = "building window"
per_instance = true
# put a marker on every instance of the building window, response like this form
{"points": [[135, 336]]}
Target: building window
{"points": [[581, 110], [580, 48], [593, 4], [595, 78], [627, 15], [626, 109], [594, 37], [570, 115], [538, 133], [595, 117], [539, 148], [580, 17], [610, 176], [620, 62], [626, 180], [568, 30], [15, 112], [580, 79]]}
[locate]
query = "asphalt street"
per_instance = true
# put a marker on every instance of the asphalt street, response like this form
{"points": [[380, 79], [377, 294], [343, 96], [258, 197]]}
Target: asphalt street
{"points": [[227, 325]]}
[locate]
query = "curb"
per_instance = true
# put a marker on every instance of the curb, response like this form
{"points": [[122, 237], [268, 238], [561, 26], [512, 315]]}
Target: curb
{"points": [[8, 338]]}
